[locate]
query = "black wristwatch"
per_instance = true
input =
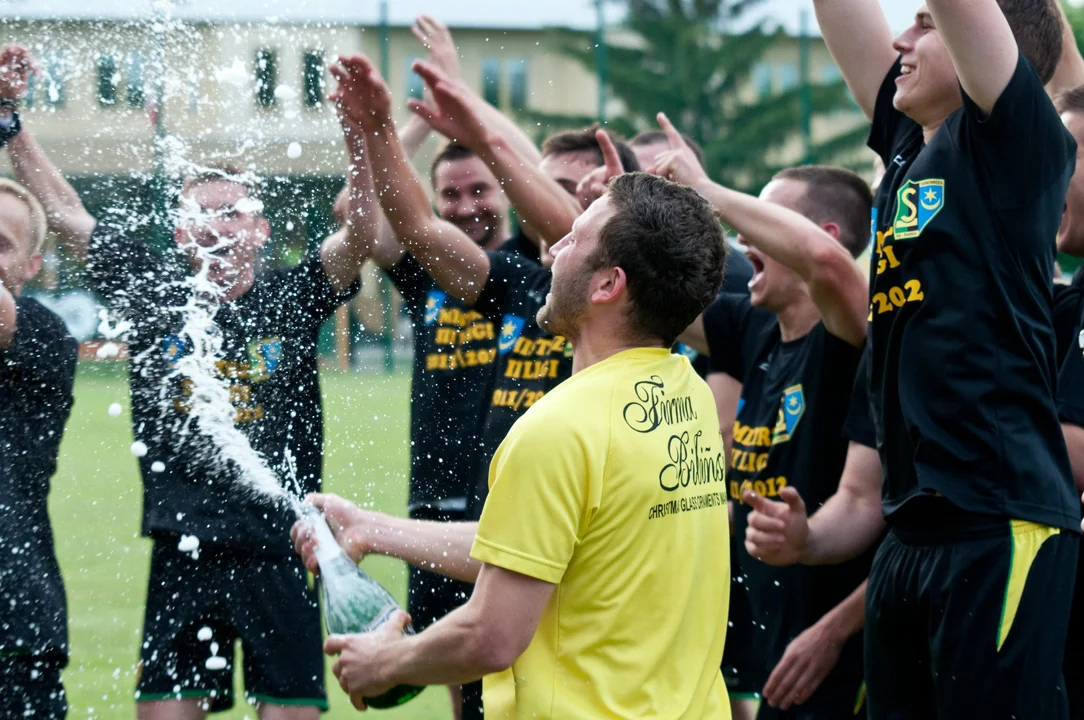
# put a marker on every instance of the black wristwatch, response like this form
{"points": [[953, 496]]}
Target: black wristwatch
{"points": [[9, 121]]}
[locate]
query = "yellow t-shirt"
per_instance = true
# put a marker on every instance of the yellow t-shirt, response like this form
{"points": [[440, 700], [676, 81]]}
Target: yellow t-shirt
{"points": [[612, 487]]}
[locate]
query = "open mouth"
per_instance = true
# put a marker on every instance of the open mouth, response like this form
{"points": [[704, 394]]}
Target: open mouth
{"points": [[758, 269]]}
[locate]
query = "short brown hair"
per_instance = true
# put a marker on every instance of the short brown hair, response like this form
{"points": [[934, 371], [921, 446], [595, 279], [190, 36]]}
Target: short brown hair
{"points": [[227, 172], [671, 246], [451, 152], [1037, 27], [649, 137], [1070, 100], [38, 221], [578, 141], [835, 195]]}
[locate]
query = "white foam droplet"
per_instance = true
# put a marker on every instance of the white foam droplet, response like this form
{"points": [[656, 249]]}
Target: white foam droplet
{"points": [[214, 648], [108, 350], [158, 466], [204, 634], [293, 150], [115, 409], [215, 663], [139, 448], [188, 543], [285, 92]]}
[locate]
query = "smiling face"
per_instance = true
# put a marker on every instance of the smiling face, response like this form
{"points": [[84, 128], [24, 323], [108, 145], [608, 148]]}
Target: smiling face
{"points": [[928, 89], [469, 197], [19, 260], [221, 223]]}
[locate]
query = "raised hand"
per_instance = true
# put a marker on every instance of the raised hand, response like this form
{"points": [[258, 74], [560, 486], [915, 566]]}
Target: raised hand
{"points": [[678, 164], [451, 111], [593, 186], [16, 67], [362, 97], [439, 46], [777, 531], [347, 523]]}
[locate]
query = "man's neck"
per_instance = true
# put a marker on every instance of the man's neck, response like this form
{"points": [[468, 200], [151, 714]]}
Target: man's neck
{"points": [[797, 320], [598, 340]]}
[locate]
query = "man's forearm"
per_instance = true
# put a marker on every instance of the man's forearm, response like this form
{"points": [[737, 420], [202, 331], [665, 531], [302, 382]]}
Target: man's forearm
{"points": [[540, 202], [847, 618], [64, 209], [843, 528], [451, 651], [439, 547]]}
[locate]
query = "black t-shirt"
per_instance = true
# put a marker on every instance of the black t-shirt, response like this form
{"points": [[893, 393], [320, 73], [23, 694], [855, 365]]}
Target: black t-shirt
{"points": [[737, 273], [964, 365], [455, 348], [530, 361], [36, 377], [788, 433], [859, 425], [520, 244], [269, 357], [1069, 322]]}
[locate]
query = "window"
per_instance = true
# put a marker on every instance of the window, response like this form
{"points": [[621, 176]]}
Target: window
{"points": [[107, 80], [52, 81], [788, 77], [762, 79], [517, 84], [134, 93], [415, 86], [491, 81], [267, 72], [314, 78]]}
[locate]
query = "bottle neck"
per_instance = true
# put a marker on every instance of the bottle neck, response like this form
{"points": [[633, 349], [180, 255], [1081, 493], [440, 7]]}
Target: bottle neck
{"points": [[327, 549]]}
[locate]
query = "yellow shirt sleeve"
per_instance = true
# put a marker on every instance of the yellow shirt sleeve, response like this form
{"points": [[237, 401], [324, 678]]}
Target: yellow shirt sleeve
{"points": [[540, 498]]}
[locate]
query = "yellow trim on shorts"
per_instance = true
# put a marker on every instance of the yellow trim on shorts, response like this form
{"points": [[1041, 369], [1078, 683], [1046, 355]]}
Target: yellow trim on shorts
{"points": [[1027, 540], [860, 700]]}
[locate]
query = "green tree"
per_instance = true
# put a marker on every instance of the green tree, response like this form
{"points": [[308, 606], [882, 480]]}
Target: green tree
{"points": [[683, 62]]}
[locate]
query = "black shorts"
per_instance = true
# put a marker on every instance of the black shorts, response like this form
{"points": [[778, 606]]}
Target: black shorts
{"points": [[30, 688], [737, 666], [265, 601], [1074, 647], [974, 627], [430, 597]]}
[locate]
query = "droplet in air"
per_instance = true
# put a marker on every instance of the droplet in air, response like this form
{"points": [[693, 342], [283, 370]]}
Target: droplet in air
{"points": [[214, 648], [139, 448], [115, 409], [204, 634], [188, 543], [215, 663], [158, 466], [293, 150], [108, 350]]}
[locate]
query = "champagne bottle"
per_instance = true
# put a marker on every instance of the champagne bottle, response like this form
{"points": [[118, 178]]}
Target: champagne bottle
{"points": [[353, 601]]}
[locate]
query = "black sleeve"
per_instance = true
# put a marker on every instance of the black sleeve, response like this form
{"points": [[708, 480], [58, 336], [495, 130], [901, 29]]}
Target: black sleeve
{"points": [[1022, 146], [859, 424], [890, 126], [1067, 314], [41, 366], [509, 276], [411, 280], [307, 292], [128, 274], [726, 325], [1071, 388]]}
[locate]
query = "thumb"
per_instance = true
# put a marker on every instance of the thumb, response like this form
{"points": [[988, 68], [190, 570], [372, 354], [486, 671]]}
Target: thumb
{"points": [[398, 621], [793, 499], [761, 504], [317, 500], [334, 644]]}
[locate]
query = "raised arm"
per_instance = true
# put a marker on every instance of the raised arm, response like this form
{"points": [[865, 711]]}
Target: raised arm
{"points": [[836, 285], [541, 204], [857, 34], [343, 254], [1070, 71], [455, 262], [981, 44], [33, 169]]}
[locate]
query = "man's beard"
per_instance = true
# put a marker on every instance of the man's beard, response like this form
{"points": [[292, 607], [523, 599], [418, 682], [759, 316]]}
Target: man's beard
{"points": [[487, 221], [566, 304]]}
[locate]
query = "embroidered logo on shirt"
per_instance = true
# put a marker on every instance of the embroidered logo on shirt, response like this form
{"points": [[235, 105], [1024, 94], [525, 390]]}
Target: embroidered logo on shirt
{"points": [[173, 349], [791, 410], [511, 327], [917, 203], [263, 358]]}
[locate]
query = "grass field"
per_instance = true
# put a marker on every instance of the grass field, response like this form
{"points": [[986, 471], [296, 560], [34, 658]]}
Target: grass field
{"points": [[95, 508]]}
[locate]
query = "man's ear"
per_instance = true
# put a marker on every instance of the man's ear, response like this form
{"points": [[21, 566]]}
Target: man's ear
{"points": [[832, 229], [609, 285], [33, 267]]}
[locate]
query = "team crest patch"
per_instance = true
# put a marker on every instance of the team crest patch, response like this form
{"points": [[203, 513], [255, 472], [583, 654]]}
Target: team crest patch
{"points": [[790, 412], [511, 327], [434, 301], [917, 203], [173, 348], [264, 357]]}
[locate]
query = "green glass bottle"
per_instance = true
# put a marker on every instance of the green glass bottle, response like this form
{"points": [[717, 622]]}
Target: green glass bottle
{"points": [[353, 601]]}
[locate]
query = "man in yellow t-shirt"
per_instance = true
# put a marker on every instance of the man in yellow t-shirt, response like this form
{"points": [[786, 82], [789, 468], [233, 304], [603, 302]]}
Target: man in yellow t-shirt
{"points": [[601, 558]]}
